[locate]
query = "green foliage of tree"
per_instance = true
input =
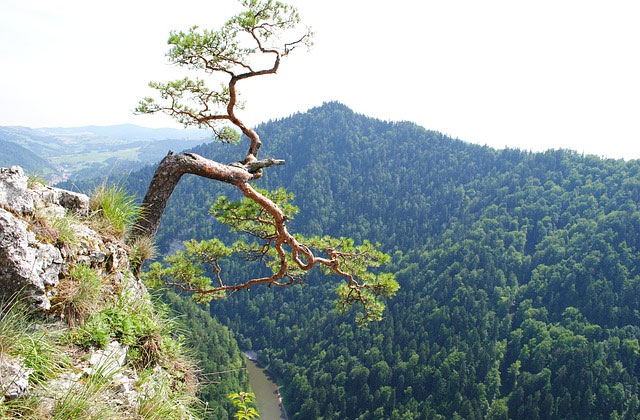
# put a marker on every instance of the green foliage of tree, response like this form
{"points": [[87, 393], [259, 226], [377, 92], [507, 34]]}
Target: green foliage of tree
{"points": [[250, 44], [187, 270], [244, 403]]}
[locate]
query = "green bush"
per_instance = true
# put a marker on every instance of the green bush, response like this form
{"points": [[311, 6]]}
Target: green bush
{"points": [[136, 323]]}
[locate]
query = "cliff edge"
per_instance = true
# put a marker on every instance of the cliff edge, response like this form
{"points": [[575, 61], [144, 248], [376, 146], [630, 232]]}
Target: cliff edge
{"points": [[79, 334]]}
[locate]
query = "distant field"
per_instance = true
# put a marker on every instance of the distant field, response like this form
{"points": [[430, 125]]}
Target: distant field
{"points": [[82, 160], [60, 153]]}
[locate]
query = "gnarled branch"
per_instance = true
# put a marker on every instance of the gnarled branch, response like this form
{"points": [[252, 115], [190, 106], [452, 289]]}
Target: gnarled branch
{"points": [[191, 102], [169, 172]]}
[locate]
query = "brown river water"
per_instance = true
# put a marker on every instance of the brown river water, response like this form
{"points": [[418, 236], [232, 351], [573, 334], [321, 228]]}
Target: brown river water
{"points": [[266, 390]]}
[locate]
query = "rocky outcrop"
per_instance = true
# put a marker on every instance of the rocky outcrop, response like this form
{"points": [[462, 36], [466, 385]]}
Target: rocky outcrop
{"points": [[14, 195], [37, 265], [17, 197], [28, 264], [14, 378]]}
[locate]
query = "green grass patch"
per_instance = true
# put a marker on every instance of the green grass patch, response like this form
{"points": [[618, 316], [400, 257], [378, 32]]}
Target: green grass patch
{"points": [[37, 347], [145, 328], [114, 210]]}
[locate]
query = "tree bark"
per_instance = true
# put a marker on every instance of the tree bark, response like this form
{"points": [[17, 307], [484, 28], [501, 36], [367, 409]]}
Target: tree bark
{"points": [[169, 172]]}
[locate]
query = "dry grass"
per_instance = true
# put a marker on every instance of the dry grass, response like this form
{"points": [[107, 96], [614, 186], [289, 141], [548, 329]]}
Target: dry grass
{"points": [[142, 249], [79, 294], [55, 230]]}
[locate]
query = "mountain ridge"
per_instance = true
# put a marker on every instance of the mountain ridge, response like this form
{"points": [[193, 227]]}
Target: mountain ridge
{"points": [[519, 273]]}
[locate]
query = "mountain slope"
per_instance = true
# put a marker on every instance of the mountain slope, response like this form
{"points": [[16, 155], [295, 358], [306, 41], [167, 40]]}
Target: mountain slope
{"points": [[337, 161], [37, 142], [14, 154], [520, 274]]}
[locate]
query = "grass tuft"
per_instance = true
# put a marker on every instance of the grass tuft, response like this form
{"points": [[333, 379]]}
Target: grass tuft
{"points": [[160, 401], [79, 294], [11, 325], [36, 347], [57, 230], [67, 236], [114, 210], [23, 408], [142, 249], [33, 179], [86, 399]]}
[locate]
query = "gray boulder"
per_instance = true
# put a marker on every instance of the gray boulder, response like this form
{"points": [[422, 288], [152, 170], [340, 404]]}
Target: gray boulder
{"points": [[14, 378], [26, 265], [14, 195], [75, 203]]}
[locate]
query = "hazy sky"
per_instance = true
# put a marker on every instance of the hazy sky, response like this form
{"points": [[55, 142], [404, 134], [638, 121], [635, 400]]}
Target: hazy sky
{"points": [[533, 75]]}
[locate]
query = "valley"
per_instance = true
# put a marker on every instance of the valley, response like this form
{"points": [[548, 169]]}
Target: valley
{"points": [[519, 274], [72, 153]]}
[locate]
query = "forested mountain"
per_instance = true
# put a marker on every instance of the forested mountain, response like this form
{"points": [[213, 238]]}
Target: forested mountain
{"points": [[519, 274]]}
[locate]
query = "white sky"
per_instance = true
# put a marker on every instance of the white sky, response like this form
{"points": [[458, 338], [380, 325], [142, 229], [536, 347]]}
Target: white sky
{"points": [[533, 75]]}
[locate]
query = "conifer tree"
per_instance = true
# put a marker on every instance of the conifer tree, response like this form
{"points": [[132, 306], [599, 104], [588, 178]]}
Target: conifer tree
{"points": [[250, 44]]}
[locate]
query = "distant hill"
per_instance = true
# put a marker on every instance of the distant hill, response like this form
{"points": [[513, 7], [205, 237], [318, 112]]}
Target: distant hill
{"points": [[84, 152], [36, 141], [14, 154], [128, 132]]}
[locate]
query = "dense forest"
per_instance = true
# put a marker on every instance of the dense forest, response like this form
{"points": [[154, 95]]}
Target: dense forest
{"points": [[221, 364], [519, 274]]}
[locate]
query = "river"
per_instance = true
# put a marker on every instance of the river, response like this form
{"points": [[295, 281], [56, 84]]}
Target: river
{"points": [[266, 390]]}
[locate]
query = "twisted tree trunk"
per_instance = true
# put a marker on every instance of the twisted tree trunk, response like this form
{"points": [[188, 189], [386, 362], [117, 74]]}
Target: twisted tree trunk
{"points": [[169, 172]]}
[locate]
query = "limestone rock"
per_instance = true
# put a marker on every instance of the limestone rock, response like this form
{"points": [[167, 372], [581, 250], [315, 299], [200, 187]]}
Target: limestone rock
{"points": [[108, 361], [73, 202], [14, 195], [26, 265], [14, 378]]}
